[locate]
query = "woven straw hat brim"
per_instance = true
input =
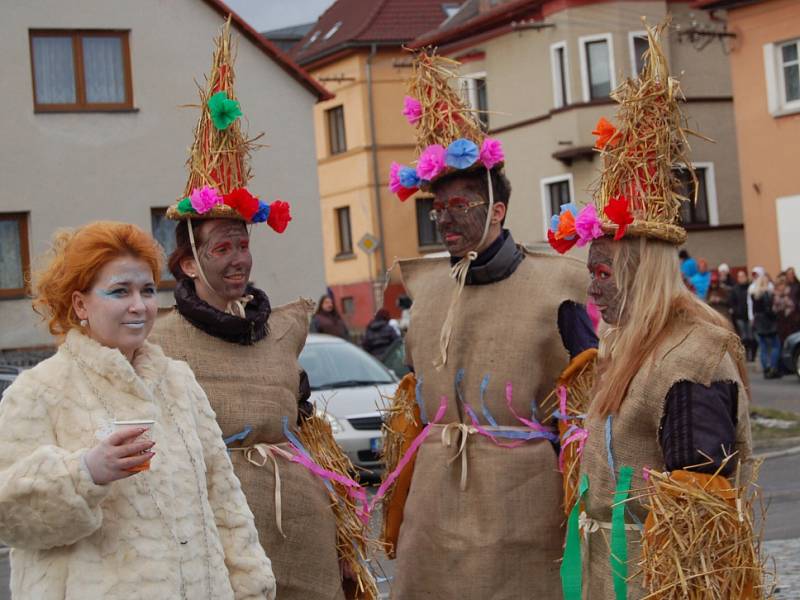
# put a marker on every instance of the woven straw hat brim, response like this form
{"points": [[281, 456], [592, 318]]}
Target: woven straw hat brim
{"points": [[665, 232], [218, 212], [425, 186]]}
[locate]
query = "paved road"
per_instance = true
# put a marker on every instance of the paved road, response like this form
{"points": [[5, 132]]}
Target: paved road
{"points": [[778, 479]]}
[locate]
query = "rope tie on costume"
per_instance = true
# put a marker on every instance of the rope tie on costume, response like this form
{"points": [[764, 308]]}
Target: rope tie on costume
{"points": [[589, 525], [234, 307], [459, 272], [464, 431], [267, 452]]}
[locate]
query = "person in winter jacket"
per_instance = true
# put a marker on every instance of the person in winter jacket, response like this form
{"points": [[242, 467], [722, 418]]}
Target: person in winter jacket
{"points": [[94, 510], [739, 303], [327, 319], [379, 334], [765, 325], [701, 280]]}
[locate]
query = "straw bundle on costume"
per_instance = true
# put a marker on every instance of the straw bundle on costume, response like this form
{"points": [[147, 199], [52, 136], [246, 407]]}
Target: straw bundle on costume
{"points": [[402, 424], [353, 541], [700, 539], [569, 403]]}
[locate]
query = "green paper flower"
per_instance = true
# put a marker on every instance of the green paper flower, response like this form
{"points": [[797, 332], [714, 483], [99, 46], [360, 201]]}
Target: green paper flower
{"points": [[224, 111], [185, 206]]}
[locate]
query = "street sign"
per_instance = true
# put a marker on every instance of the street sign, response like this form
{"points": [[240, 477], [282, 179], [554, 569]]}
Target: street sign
{"points": [[369, 243]]}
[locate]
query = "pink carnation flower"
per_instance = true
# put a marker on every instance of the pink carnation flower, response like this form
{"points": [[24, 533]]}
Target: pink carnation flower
{"points": [[431, 162], [394, 178], [204, 199], [587, 225], [412, 109], [491, 152]]}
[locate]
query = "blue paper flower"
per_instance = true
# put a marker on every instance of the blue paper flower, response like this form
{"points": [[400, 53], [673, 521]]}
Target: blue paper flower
{"points": [[571, 208], [554, 220], [461, 154], [408, 177], [262, 214]]}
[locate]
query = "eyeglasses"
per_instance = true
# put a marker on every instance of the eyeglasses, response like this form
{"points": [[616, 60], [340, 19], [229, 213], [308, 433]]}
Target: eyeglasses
{"points": [[455, 210]]}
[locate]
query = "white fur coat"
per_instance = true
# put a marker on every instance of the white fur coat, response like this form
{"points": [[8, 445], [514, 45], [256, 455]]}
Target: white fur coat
{"points": [[180, 530]]}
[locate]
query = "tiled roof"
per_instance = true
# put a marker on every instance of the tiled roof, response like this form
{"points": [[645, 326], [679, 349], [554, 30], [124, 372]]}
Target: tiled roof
{"points": [[349, 23], [283, 60]]}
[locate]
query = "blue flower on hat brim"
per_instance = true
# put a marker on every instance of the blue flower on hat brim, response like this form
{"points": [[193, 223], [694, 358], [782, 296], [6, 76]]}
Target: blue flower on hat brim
{"points": [[408, 177], [461, 154]]}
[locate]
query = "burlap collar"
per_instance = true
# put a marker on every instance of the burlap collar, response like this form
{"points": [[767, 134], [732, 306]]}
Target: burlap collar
{"points": [[237, 330], [497, 262]]}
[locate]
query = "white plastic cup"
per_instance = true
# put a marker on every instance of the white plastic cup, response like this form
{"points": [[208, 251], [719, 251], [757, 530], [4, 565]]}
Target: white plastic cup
{"points": [[146, 435]]}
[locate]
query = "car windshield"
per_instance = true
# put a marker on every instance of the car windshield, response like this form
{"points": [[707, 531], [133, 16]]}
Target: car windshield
{"points": [[332, 365]]}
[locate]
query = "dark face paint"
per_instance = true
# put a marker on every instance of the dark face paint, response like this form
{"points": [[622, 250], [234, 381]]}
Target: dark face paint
{"points": [[603, 289], [460, 231], [224, 254]]}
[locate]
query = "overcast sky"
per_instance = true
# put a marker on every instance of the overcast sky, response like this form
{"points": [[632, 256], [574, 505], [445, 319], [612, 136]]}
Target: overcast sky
{"points": [[264, 15]]}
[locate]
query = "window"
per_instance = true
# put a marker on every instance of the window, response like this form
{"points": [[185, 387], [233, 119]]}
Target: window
{"points": [[556, 191], [164, 233], [337, 143], [782, 70], [638, 46], [80, 70], [14, 254], [560, 72], [427, 231], [348, 305], [343, 227], [475, 88], [597, 66], [704, 212]]}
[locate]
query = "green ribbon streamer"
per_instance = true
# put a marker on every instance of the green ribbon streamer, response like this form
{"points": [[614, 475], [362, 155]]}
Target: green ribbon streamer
{"points": [[619, 541], [571, 566]]}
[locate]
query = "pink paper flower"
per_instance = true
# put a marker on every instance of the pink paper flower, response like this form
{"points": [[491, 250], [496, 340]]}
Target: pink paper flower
{"points": [[491, 152], [431, 162], [394, 178], [587, 225], [204, 199], [412, 109]]}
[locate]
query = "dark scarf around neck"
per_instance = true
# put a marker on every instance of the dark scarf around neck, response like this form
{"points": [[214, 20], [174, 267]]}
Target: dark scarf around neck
{"points": [[222, 325], [497, 262]]}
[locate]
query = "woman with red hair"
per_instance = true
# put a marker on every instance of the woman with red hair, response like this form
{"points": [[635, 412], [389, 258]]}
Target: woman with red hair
{"points": [[92, 505]]}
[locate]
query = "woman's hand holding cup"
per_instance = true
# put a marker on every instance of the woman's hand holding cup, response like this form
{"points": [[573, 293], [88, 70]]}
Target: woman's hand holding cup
{"points": [[119, 455]]}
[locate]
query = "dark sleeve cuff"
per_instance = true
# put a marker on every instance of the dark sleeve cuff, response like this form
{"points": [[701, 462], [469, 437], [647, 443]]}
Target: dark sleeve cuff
{"points": [[575, 327], [699, 423]]}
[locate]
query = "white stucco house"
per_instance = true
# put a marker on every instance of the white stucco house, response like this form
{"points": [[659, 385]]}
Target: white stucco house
{"points": [[93, 128]]}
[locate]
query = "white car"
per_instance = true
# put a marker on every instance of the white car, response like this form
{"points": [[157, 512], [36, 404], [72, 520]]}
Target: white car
{"points": [[351, 389]]}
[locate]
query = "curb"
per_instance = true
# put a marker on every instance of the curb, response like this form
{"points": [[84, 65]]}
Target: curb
{"points": [[778, 453]]}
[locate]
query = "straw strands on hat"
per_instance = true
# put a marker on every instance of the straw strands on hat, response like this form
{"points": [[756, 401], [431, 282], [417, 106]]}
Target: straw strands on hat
{"points": [[352, 539], [648, 143], [700, 539], [445, 117]]}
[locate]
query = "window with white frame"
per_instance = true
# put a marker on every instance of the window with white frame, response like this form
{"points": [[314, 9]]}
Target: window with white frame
{"points": [[164, 232], [782, 69], [556, 190], [704, 211], [475, 91], [559, 64], [638, 45], [597, 66]]}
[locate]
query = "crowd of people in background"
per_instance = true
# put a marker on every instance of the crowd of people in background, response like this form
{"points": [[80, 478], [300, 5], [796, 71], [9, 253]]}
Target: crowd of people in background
{"points": [[763, 310]]}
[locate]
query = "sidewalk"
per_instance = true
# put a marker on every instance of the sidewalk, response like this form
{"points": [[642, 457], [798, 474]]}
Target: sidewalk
{"points": [[786, 557]]}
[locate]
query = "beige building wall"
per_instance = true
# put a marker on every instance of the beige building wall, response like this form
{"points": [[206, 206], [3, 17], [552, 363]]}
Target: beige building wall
{"points": [[70, 168], [768, 144], [520, 95]]}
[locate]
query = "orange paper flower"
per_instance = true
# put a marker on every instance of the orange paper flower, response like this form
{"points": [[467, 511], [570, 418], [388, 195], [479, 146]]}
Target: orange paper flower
{"points": [[607, 134], [566, 226]]}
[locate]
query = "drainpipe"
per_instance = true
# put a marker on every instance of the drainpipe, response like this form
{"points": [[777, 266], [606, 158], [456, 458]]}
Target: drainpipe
{"points": [[375, 172]]}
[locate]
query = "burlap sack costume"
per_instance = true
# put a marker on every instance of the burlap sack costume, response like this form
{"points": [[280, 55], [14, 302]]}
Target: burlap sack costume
{"points": [[701, 354], [257, 386], [500, 537]]}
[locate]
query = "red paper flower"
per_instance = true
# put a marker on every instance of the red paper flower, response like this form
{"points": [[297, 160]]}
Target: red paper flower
{"points": [[617, 212], [561, 246], [607, 134], [243, 202], [405, 193], [279, 215]]}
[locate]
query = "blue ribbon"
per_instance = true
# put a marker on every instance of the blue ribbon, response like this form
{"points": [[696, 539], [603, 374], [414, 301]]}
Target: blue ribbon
{"points": [[238, 437], [485, 409], [418, 396]]}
